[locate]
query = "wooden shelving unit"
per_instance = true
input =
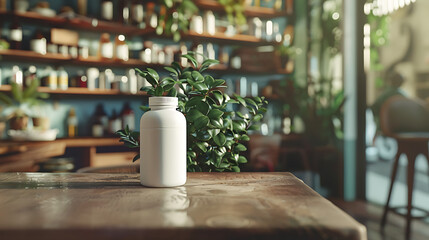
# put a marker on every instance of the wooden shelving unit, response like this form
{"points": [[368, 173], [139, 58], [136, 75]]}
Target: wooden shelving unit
{"points": [[79, 91], [58, 60], [262, 12], [77, 23]]}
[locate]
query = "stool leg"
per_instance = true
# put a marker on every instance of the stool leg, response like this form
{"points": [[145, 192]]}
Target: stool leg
{"points": [[410, 186], [392, 180]]}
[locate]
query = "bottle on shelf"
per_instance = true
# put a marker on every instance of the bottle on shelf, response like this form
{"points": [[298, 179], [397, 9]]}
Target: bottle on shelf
{"points": [[63, 79], [15, 35], [115, 123], [101, 121], [20, 6], [29, 75], [137, 13], [106, 47], [128, 117], [92, 76], [64, 50], [38, 43], [17, 76], [106, 10], [122, 50], [125, 16], [209, 20], [132, 81], [106, 78], [72, 123], [151, 17], [51, 78]]}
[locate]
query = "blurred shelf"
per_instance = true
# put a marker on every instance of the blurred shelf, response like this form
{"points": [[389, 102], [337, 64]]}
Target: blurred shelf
{"points": [[90, 142], [58, 60], [249, 11], [79, 91], [237, 39], [77, 23], [30, 56]]}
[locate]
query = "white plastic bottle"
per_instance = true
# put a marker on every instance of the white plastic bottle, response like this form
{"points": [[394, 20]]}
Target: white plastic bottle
{"points": [[163, 144]]}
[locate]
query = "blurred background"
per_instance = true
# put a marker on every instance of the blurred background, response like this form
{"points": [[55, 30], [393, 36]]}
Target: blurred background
{"points": [[327, 68]]}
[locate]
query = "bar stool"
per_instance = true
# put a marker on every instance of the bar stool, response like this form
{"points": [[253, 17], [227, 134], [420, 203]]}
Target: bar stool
{"points": [[407, 121]]}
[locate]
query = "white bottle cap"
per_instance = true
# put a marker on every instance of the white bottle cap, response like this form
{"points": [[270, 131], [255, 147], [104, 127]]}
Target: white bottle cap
{"points": [[163, 101]]}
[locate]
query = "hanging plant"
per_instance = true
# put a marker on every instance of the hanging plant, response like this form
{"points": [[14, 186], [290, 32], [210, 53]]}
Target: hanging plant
{"points": [[215, 134]]}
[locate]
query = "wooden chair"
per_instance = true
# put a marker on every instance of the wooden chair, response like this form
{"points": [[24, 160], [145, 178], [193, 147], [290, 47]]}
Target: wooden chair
{"points": [[407, 121]]}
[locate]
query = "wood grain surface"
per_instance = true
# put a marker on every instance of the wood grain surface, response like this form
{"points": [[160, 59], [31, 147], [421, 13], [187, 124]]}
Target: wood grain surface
{"points": [[209, 206]]}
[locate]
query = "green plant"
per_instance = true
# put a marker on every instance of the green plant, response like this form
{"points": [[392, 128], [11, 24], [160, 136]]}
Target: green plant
{"points": [[214, 132], [234, 11], [173, 22], [22, 100]]}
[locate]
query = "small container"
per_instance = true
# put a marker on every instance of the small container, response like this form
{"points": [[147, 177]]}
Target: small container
{"points": [[38, 43], [63, 79], [106, 10], [163, 144], [106, 46]]}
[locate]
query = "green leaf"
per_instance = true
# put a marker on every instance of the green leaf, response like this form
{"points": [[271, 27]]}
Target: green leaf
{"points": [[218, 82], [242, 159], [235, 168], [194, 115], [240, 100], [146, 89], [257, 117], [224, 165], [201, 122], [159, 90], [240, 114], [239, 126], [232, 101], [218, 96], [215, 114], [172, 71], [191, 59], [250, 101], [220, 139], [6, 99], [197, 77], [201, 146], [254, 127], [244, 137], [193, 101], [140, 72], [240, 147], [153, 74], [203, 135], [177, 67], [168, 87], [216, 123], [203, 107], [136, 157], [201, 86], [144, 108], [16, 92], [172, 92], [207, 63]]}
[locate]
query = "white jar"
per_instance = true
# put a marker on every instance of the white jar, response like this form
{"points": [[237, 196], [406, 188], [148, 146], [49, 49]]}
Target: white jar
{"points": [[163, 144]]}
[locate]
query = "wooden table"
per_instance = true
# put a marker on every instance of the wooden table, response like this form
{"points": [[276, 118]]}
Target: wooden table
{"points": [[210, 206]]}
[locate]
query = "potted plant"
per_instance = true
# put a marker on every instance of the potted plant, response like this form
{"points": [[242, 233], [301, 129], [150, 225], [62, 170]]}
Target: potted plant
{"points": [[18, 106], [215, 129]]}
